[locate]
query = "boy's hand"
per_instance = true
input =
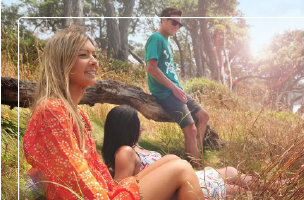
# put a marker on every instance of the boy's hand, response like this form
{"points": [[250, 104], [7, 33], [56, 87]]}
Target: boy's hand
{"points": [[180, 94]]}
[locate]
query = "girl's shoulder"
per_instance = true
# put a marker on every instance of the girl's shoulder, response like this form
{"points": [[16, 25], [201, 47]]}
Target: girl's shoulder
{"points": [[124, 151], [125, 156]]}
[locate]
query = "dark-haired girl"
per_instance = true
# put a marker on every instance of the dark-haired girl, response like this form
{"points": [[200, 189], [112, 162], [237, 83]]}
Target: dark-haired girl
{"points": [[125, 157]]}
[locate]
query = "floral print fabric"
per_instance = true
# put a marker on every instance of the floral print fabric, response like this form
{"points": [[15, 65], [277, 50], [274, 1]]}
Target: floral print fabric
{"points": [[212, 186], [51, 146], [147, 159]]}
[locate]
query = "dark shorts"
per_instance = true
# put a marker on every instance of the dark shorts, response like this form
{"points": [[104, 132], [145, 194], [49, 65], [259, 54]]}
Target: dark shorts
{"points": [[183, 114]]}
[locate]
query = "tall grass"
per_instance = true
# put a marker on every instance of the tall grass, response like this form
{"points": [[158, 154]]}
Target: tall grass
{"points": [[259, 141]]}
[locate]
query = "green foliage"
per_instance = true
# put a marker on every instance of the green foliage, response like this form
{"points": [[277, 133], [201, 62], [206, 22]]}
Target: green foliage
{"points": [[118, 65], [9, 126], [42, 8], [202, 85], [283, 55], [210, 93], [10, 15], [125, 69], [30, 49], [172, 140], [9, 165], [9, 44]]}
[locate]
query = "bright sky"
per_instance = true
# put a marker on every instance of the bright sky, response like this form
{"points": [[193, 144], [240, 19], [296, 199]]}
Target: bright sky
{"points": [[264, 29]]}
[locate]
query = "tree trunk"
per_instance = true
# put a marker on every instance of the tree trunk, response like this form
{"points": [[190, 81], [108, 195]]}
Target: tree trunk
{"points": [[123, 28], [118, 33], [109, 91], [190, 65], [112, 29], [181, 54], [137, 57], [218, 51], [196, 49], [203, 60], [213, 65], [73, 8], [227, 62]]}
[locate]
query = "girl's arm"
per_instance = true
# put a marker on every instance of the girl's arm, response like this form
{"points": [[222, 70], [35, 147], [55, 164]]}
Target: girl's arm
{"points": [[125, 163]]}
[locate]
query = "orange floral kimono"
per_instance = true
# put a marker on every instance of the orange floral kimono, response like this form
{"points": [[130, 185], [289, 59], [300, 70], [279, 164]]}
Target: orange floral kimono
{"points": [[52, 148]]}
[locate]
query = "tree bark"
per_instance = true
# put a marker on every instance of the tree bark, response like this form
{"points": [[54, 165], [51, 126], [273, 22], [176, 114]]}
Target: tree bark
{"points": [[118, 33], [227, 62], [196, 49], [123, 28], [112, 29], [181, 54], [109, 91], [105, 91], [213, 65], [190, 62], [136, 57], [73, 8]]}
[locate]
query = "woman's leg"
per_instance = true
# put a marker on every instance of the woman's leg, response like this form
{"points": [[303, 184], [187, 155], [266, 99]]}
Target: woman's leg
{"points": [[232, 177], [160, 162], [164, 181], [232, 190]]}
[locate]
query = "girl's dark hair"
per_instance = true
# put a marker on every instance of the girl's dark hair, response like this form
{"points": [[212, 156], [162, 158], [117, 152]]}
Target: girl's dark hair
{"points": [[121, 128]]}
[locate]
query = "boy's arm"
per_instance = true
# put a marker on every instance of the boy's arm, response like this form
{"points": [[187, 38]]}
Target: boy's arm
{"points": [[158, 75]]}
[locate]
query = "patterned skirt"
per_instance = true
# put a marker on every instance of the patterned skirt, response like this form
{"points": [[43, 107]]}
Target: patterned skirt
{"points": [[211, 183]]}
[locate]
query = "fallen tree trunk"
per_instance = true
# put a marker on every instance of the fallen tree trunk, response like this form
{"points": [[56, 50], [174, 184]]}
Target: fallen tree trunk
{"points": [[105, 91]]}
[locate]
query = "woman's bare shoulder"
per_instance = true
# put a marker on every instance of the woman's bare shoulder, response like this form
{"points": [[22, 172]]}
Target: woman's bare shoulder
{"points": [[125, 151], [125, 161]]}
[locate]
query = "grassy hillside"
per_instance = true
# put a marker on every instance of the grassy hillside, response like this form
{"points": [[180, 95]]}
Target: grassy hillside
{"points": [[262, 142]]}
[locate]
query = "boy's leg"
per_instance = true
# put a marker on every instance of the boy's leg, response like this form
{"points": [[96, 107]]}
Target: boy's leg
{"points": [[190, 133], [202, 118], [183, 116]]}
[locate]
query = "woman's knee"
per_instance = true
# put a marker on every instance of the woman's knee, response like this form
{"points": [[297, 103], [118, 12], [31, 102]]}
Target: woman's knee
{"points": [[228, 173], [231, 172], [183, 167], [171, 157]]}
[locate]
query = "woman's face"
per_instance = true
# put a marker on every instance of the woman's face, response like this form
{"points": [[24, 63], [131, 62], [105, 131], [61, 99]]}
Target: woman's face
{"points": [[83, 73], [140, 131]]}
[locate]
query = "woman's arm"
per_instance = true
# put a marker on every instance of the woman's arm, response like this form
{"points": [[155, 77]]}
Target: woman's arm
{"points": [[51, 146], [125, 163]]}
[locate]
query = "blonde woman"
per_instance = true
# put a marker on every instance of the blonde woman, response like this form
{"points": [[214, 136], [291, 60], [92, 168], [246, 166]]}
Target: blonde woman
{"points": [[58, 143]]}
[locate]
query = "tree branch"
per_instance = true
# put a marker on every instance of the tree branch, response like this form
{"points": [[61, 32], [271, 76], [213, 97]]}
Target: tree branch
{"points": [[136, 57], [109, 91], [105, 91], [235, 82]]}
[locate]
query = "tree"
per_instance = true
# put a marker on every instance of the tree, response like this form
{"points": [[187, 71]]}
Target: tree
{"points": [[41, 8], [210, 53], [118, 32], [73, 8], [281, 65], [232, 48], [209, 47]]}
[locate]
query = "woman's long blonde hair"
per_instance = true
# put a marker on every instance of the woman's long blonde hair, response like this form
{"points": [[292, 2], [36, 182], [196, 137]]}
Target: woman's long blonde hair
{"points": [[59, 56]]}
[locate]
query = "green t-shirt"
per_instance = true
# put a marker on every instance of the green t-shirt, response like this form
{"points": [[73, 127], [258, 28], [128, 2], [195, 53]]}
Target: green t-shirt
{"points": [[157, 47]]}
